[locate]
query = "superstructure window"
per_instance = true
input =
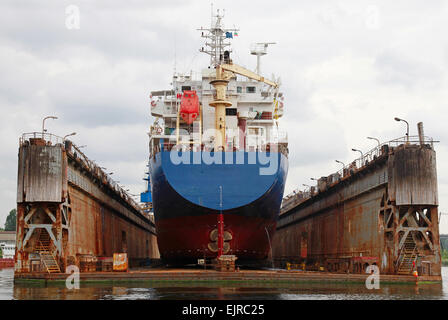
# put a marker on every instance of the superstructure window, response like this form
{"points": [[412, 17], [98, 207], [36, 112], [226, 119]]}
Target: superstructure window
{"points": [[186, 88], [250, 89], [231, 112], [239, 89]]}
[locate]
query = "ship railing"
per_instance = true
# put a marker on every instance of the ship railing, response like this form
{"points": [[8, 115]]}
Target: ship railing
{"points": [[166, 106], [190, 146], [282, 136], [258, 48]]}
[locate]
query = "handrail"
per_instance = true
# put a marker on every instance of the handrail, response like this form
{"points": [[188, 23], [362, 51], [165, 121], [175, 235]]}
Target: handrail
{"points": [[378, 151], [52, 139], [48, 137], [401, 256], [416, 256], [371, 155]]}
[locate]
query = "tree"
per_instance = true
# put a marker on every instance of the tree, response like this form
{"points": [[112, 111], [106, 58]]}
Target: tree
{"points": [[10, 224]]}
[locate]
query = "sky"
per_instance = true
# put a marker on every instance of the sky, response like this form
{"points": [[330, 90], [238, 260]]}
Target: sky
{"points": [[347, 69]]}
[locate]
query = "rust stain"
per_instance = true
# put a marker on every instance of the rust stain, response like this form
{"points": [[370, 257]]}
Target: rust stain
{"points": [[384, 213]]}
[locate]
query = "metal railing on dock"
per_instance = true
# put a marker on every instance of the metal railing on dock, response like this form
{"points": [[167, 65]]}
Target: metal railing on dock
{"points": [[49, 139], [299, 196]]}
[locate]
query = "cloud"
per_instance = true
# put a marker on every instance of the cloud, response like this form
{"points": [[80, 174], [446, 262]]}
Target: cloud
{"points": [[399, 70], [342, 79]]}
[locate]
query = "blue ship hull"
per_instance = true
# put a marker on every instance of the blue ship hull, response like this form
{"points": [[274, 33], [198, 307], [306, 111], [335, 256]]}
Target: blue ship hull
{"points": [[188, 194]]}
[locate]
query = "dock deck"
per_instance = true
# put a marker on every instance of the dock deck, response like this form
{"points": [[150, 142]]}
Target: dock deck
{"points": [[201, 276]]}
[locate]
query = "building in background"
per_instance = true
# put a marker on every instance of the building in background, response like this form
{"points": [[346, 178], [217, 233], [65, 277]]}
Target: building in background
{"points": [[8, 243]]}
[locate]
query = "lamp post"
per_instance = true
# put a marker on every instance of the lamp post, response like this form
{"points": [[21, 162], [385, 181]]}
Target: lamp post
{"points": [[407, 128], [68, 135], [377, 140], [43, 123], [343, 165], [356, 150]]}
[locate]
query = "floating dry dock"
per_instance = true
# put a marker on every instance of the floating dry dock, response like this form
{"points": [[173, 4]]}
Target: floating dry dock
{"points": [[380, 209], [70, 212]]}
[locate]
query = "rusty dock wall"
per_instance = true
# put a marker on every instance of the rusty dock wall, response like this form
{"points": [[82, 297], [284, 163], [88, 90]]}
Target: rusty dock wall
{"points": [[380, 210], [70, 212]]}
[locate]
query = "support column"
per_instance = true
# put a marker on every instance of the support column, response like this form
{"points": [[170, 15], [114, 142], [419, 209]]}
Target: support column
{"points": [[220, 104], [435, 234], [20, 255]]}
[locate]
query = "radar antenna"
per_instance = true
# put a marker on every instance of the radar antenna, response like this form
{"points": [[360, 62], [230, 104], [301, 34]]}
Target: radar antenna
{"points": [[259, 49]]}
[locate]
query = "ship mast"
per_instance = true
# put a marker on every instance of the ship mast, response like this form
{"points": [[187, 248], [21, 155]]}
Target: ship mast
{"points": [[217, 47], [216, 36], [225, 69]]}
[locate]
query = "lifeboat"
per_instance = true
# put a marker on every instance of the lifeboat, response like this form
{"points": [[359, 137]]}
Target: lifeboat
{"points": [[189, 106]]}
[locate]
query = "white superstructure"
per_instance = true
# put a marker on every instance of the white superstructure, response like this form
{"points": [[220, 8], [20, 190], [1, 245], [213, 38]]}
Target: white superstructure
{"points": [[255, 106]]}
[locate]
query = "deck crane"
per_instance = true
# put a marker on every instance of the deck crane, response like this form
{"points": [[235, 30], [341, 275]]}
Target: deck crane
{"points": [[224, 72]]}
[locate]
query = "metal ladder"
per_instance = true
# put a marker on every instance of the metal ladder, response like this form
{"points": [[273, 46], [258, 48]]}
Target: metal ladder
{"points": [[46, 255], [409, 254]]}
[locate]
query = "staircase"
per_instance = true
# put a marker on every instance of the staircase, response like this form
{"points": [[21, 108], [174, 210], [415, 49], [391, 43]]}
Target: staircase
{"points": [[44, 248], [409, 255]]}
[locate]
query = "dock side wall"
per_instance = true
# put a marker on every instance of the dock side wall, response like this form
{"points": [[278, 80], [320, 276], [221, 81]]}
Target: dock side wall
{"points": [[68, 212], [98, 230], [384, 214]]}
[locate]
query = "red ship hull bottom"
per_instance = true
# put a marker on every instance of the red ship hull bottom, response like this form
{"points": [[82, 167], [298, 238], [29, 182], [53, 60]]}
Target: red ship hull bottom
{"points": [[186, 239]]}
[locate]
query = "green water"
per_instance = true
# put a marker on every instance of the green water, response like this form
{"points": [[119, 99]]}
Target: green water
{"points": [[238, 291]]}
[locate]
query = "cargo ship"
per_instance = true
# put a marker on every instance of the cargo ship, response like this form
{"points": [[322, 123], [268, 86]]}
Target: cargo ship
{"points": [[218, 159]]}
